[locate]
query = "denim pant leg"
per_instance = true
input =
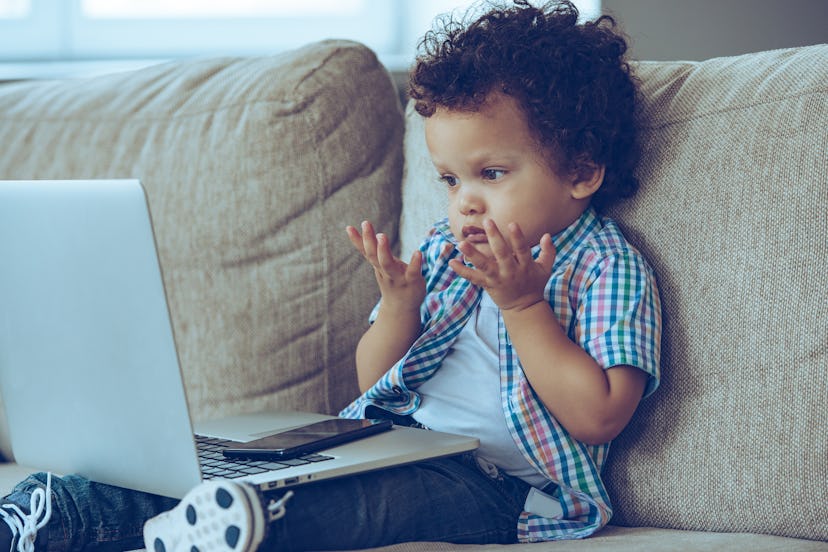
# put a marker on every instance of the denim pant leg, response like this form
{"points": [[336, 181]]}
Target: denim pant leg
{"points": [[448, 500], [88, 514]]}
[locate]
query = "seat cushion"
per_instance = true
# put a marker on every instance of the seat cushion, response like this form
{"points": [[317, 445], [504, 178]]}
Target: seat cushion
{"points": [[610, 539], [634, 539]]}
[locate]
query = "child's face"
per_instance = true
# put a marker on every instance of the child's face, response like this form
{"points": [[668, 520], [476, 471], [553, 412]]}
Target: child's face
{"points": [[494, 169]]}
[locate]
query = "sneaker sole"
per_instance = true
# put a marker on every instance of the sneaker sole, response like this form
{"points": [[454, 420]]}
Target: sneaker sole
{"points": [[215, 516]]}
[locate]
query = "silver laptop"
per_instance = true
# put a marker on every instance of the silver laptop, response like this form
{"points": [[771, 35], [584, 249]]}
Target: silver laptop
{"points": [[89, 372]]}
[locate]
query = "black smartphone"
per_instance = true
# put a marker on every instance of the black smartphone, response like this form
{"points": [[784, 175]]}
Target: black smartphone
{"points": [[306, 439]]}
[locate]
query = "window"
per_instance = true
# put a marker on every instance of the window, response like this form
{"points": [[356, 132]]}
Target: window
{"points": [[72, 30], [14, 9]]}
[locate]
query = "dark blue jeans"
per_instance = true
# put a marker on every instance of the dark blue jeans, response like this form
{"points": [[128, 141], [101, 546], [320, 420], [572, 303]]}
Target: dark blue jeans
{"points": [[449, 499]]}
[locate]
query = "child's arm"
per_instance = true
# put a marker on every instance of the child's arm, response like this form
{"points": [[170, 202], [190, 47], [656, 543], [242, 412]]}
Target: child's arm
{"points": [[593, 404], [397, 324]]}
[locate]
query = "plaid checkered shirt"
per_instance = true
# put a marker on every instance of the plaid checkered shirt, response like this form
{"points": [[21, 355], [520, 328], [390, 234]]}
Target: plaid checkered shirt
{"points": [[604, 294]]}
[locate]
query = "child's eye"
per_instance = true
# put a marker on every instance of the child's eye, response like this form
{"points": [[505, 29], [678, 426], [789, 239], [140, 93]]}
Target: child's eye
{"points": [[493, 174], [448, 180]]}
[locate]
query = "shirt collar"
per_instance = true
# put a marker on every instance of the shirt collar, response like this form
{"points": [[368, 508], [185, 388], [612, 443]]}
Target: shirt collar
{"points": [[570, 238], [442, 226]]}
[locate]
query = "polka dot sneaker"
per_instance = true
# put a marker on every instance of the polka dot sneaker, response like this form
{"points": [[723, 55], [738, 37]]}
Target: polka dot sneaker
{"points": [[215, 516]]}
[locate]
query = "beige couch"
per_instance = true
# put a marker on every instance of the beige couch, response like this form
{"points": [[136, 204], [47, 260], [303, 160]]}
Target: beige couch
{"points": [[254, 166]]}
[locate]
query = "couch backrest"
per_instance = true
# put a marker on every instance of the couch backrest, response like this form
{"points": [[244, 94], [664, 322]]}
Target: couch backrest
{"points": [[252, 167], [733, 215]]}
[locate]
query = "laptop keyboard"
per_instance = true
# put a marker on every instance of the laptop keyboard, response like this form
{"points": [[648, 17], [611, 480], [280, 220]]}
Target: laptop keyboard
{"points": [[215, 465]]}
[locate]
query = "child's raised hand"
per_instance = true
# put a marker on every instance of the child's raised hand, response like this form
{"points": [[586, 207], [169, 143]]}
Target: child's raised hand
{"points": [[402, 285], [510, 275]]}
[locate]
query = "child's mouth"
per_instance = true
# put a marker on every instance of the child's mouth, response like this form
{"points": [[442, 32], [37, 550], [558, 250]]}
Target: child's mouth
{"points": [[474, 234]]}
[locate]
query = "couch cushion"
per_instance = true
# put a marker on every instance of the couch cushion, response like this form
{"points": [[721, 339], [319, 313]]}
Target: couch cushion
{"points": [[252, 166], [638, 539], [732, 214]]}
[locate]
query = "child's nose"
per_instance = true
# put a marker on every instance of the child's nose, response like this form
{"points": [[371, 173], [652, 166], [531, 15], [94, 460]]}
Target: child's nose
{"points": [[470, 203]]}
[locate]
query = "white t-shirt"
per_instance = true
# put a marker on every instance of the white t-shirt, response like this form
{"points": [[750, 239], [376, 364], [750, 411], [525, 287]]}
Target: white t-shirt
{"points": [[463, 396]]}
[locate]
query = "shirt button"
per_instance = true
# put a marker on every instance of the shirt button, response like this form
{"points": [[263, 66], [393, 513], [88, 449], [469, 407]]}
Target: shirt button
{"points": [[397, 390]]}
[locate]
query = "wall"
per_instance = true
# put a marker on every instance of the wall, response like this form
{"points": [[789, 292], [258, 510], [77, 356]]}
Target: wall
{"points": [[701, 29]]}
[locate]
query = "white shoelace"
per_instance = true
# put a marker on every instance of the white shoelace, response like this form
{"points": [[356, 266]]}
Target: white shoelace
{"points": [[276, 508], [23, 526]]}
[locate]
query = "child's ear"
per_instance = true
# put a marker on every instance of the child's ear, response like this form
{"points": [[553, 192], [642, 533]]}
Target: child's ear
{"points": [[587, 180]]}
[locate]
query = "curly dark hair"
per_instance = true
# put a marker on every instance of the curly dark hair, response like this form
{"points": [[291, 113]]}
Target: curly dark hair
{"points": [[571, 80]]}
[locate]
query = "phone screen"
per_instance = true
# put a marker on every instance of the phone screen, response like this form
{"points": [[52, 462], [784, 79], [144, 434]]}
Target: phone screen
{"points": [[307, 439]]}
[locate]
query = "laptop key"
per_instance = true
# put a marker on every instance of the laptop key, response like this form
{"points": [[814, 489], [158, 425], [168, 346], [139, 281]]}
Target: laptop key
{"points": [[274, 466], [228, 473], [295, 462], [251, 470], [317, 457]]}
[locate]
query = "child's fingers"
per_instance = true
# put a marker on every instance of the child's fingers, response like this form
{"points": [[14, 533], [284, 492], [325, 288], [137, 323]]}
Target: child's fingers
{"points": [[547, 253], [369, 241], [520, 247], [355, 238], [447, 249], [385, 257], [464, 271], [474, 256], [497, 242], [415, 266]]}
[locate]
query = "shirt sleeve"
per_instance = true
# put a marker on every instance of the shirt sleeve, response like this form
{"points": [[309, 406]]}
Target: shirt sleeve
{"points": [[619, 315]]}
